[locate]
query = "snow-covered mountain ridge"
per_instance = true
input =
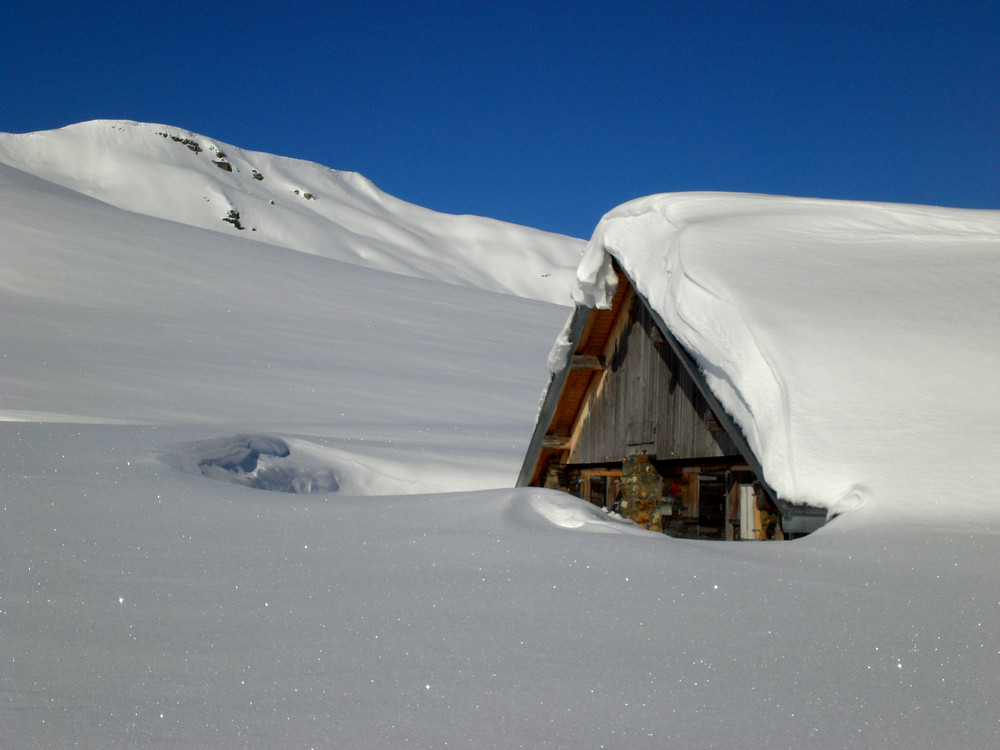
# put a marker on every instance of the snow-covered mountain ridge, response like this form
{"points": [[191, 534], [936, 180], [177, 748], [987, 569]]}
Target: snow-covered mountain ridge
{"points": [[174, 174]]}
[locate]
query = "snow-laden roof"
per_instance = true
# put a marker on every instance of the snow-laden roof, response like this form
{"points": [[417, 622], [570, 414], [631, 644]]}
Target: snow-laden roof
{"points": [[857, 345]]}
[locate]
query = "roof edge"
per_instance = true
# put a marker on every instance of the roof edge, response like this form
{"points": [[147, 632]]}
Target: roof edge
{"points": [[551, 399]]}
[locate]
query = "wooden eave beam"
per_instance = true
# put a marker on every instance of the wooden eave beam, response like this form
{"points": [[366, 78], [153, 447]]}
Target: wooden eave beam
{"points": [[555, 442], [586, 362]]}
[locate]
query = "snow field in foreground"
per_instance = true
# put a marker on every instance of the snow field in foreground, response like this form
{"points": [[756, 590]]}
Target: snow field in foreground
{"points": [[145, 606]]}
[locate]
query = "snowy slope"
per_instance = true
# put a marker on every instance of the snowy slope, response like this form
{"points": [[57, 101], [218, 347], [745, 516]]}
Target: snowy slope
{"points": [[114, 317], [143, 603], [856, 344], [174, 174]]}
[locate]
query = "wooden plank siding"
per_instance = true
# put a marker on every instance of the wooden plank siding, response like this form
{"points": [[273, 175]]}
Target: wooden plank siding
{"points": [[644, 401]]}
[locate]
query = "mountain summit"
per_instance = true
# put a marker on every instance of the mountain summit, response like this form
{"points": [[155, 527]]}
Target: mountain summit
{"points": [[174, 174]]}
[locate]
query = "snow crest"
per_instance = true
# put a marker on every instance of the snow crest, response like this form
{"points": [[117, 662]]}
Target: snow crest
{"points": [[543, 509]]}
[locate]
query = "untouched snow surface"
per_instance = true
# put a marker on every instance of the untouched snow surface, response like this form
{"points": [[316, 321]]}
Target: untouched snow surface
{"points": [[116, 318], [856, 344], [143, 603]]}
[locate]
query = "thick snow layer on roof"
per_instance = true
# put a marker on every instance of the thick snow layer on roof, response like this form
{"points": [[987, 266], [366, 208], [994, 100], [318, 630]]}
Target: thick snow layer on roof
{"points": [[856, 344]]}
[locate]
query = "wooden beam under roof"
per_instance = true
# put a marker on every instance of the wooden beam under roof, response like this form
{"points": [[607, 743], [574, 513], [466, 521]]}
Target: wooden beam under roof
{"points": [[586, 362]]}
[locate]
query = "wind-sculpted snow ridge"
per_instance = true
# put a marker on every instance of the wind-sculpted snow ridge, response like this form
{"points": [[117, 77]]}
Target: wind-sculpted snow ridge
{"points": [[544, 509], [174, 174], [849, 341]]}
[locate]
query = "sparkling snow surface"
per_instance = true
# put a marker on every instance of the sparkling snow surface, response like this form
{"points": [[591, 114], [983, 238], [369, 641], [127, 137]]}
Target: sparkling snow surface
{"points": [[144, 603], [857, 344]]}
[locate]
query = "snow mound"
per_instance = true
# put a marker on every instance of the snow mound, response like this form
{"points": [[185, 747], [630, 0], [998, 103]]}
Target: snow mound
{"points": [[147, 606], [548, 508], [857, 345], [174, 174]]}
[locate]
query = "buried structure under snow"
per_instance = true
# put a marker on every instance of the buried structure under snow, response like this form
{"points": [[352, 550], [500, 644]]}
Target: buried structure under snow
{"points": [[745, 366], [629, 423]]}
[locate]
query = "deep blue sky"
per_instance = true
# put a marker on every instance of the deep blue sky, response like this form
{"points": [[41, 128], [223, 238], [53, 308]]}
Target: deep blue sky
{"points": [[544, 113]]}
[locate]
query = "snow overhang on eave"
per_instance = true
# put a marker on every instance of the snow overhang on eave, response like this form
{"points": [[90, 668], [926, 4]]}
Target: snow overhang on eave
{"points": [[795, 518]]}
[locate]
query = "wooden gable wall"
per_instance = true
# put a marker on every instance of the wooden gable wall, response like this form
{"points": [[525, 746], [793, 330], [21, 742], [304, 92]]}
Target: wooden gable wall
{"points": [[644, 401]]}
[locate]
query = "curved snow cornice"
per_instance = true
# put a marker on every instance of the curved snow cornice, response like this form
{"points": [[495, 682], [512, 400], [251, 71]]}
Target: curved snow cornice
{"points": [[171, 173], [857, 345]]}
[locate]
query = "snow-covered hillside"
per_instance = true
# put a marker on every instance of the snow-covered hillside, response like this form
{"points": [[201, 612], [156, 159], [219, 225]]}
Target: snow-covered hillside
{"points": [[115, 317], [145, 603], [174, 174]]}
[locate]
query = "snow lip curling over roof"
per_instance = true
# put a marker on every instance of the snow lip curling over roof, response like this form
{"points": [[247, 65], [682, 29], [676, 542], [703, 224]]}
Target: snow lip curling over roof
{"points": [[857, 345]]}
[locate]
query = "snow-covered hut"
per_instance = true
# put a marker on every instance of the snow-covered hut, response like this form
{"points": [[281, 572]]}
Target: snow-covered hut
{"points": [[747, 366]]}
